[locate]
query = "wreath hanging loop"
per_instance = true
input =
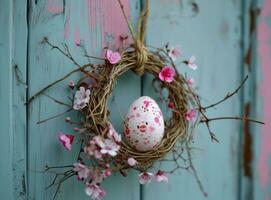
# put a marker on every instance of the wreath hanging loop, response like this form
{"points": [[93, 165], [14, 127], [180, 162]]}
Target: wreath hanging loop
{"points": [[141, 57], [140, 50]]}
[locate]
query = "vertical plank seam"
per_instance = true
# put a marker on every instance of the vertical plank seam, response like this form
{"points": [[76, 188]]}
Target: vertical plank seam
{"points": [[28, 7], [242, 65]]}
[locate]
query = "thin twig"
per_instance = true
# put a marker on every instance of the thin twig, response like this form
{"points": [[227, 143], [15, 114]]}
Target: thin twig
{"points": [[127, 21], [57, 167], [228, 95], [57, 101], [68, 55], [194, 170], [55, 116], [234, 118], [50, 85]]}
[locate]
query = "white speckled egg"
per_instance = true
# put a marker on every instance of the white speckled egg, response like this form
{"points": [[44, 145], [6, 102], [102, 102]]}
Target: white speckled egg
{"points": [[144, 124]]}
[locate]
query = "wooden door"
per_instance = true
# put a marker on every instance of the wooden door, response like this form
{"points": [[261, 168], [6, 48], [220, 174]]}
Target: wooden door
{"points": [[224, 35]]}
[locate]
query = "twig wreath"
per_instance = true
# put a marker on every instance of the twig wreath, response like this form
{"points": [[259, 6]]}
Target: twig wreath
{"points": [[100, 142]]}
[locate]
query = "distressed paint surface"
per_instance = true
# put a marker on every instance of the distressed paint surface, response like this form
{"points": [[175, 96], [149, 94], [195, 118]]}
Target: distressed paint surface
{"points": [[237, 168], [13, 51], [71, 25], [213, 35], [263, 165]]}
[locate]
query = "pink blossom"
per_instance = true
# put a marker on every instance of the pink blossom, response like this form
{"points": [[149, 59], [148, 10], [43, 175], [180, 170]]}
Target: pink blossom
{"points": [[113, 134], [98, 140], [109, 147], [71, 84], [82, 171], [132, 162], [167, 74], [145, 177], [174, 52], [191, 115], [93, 150], [160, 176], [113, 57], [191, 63], [96, 176], [66, 140], [171, 104], [190, 82], [95, 192], [68, 119], [107, 173], [81, 98]]}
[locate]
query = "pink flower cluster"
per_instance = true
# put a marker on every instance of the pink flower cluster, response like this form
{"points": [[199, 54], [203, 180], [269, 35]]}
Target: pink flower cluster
{"points": [[81, 98], [113, 57], [66, 140], [167, 74], [92, 179], [191, 115], [146, 177], [99, 147], [174, 52]]}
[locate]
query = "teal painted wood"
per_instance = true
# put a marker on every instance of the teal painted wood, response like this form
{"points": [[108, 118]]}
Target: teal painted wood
{"points": [[221, 167], [13, 49], [72, 22], [214, 36], [248, 62]]}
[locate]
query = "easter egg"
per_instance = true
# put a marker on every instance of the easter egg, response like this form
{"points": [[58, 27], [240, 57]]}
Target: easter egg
{"points": [[144, 124]]}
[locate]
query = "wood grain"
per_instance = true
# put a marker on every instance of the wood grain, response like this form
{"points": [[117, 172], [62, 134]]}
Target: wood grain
{"points": [[213, 34], [13, 143], [91, 24]]}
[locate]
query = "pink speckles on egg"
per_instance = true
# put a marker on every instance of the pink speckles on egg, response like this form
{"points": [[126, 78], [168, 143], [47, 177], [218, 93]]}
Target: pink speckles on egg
{"points": [[146, 128], [151, 128], [146, 103], [157, 121]]}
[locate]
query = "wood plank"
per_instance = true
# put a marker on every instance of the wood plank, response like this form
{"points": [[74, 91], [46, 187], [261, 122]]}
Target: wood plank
{"points": [[94, 23], [213, 34], [261, 96], [13, 45]]}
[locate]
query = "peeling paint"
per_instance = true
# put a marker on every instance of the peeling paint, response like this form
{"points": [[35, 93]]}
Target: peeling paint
{"points": [[67, 25], [54, 7], [264, 51], [77, 36], [109, 17], [247, 146], [253, 14]]}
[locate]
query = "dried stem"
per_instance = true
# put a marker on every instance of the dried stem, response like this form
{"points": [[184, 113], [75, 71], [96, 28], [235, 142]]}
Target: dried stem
{"points": [[127, 21], [234, 118], [53, 117], [52, 84], [57, 101], [194, 171], [227, 96]]}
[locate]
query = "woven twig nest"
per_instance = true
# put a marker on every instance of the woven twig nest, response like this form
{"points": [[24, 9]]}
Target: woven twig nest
{"points": [[179, 93]]}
